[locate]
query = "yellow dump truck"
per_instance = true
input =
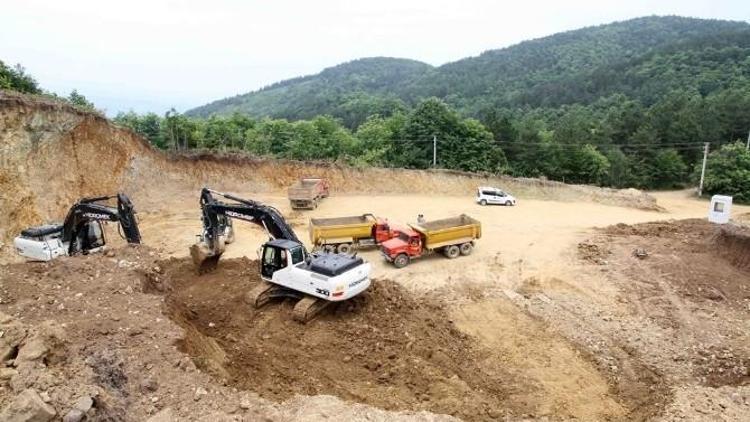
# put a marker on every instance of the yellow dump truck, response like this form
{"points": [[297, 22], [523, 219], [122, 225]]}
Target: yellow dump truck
{"points": [[452, 236], [341, 234]]}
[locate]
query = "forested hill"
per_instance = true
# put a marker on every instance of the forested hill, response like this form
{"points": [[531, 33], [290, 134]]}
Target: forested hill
{"points": [[642, 58], [370, 85]]}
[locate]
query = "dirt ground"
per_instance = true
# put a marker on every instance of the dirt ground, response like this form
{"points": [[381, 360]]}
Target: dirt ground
{"points": [[580, 303], [643, 318], [385, 348]]}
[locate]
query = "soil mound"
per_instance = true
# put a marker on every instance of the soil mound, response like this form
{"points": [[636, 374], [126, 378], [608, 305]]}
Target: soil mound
{"points": [[733, 243], [383, 348]]}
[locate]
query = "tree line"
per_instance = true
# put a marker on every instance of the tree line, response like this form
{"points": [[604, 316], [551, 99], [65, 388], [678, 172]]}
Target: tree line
{"points": [[615, 141]]}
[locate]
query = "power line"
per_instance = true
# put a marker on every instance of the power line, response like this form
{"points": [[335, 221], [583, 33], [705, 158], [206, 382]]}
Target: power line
{"points": [[564, 145]]}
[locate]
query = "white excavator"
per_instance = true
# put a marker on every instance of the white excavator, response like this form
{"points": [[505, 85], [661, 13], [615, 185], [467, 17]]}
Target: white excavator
{"points": [[287, 269], [81, 232]]}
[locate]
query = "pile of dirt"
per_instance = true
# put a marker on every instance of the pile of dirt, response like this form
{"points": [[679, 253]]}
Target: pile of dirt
{"points": [[694, 254], [733, 244], [650, 229], [384, 348], [592, 252], [80, 336], [692, 281]]}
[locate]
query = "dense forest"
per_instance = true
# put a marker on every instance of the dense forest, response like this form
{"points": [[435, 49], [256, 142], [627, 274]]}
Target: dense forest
{"points": [[643, 59], [629, 104]]}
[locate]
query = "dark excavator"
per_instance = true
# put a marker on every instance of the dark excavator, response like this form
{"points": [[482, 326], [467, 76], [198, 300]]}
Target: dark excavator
{"points": [[288, 270], [81, 232]]}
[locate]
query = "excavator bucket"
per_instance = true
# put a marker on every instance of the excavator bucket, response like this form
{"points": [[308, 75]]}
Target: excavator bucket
{"points": [[204, 258]]}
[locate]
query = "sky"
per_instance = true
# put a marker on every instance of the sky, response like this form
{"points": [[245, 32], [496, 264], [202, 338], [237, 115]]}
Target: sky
{"points": [[154, 55]]}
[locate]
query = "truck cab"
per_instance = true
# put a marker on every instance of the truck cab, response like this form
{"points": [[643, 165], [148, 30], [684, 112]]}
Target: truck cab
{"points": [[382, 231], [402, 248]]}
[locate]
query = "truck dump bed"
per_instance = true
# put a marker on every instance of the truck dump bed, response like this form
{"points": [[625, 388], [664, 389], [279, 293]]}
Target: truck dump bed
{"points": [[344, 229], [449, 231], [306, 189]]}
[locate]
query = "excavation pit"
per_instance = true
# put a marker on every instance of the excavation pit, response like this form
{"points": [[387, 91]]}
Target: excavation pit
{"points": [[384, 348]]}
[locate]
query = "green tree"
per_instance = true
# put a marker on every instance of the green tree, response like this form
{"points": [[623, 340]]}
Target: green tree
{"points": [[473, 149], [667, 170], [78, 100], [147, 125], [16, 79], [321, 138], [373, 142], [585, 165], [728, 172]]}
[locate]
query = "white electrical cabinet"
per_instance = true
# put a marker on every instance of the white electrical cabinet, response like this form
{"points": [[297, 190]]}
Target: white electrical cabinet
{"points": [[720, 209]]}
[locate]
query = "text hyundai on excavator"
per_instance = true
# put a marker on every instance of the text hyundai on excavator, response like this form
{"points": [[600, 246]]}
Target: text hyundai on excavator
{"points": [[287, 269], [81, 232]]}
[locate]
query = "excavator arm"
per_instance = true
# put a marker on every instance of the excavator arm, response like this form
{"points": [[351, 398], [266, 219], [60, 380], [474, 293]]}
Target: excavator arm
{"points": [[207, 252], [87, 210]]}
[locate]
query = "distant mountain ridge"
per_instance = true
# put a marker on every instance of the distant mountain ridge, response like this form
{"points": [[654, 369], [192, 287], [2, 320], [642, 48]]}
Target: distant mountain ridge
{"points": [[643, 58]]}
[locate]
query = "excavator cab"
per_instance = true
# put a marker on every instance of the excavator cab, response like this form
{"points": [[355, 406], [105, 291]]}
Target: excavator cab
{"points": [[89, 237], [278, 254]]}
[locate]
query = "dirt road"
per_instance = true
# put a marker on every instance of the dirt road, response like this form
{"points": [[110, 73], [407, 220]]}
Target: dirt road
{"points": [[531, 238]]}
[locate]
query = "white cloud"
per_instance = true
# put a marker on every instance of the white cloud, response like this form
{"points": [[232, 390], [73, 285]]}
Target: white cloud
{"points": [[151, 55]]}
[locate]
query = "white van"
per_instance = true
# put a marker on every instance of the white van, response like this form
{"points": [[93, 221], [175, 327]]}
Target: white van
{"points": [[487, 195]]}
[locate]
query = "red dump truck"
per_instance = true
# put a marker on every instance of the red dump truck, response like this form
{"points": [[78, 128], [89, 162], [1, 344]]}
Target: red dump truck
{"points": [[452, 236], [308, 192], [341, 234]]}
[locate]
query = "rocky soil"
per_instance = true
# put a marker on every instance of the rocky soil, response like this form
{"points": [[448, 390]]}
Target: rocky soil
{"points": [[90, 338]]}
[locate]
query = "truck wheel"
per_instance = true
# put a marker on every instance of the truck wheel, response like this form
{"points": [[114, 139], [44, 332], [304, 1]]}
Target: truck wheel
{"points": [[345, 248], [329, 248], [452, 251], [466, 248], [483, 202], [401, 261]]}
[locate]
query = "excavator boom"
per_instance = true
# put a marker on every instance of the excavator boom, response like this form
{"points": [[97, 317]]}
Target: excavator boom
{"points": [[208, 251]]}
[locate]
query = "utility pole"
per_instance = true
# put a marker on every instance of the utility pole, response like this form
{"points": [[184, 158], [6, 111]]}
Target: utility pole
{"points": [[434, 150], [748, 140], [703, 170]]}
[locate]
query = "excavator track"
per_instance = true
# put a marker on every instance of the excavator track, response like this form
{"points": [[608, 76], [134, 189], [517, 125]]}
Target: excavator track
{"points": [[308, 308], [265, 292], [260, 295]]}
